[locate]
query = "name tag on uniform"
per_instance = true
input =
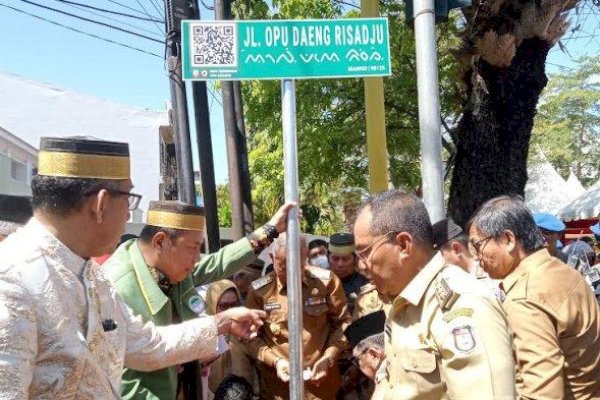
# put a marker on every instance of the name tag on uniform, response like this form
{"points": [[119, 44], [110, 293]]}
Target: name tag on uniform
{"points": [[272, 306], [314, 301]]}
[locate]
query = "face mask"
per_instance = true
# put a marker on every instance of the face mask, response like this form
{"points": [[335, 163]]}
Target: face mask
{"points": [[320, 261]]}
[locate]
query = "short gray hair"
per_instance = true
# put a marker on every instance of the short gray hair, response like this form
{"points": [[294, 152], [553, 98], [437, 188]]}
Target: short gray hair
{"points": [[280, 242], [399, 211], [374, 341], [508, 213]]}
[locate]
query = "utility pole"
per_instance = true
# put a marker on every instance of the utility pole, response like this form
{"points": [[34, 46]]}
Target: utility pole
{"points": [[175, 11], [183, 147], [243, 155], [205, 154], [236, 155]]}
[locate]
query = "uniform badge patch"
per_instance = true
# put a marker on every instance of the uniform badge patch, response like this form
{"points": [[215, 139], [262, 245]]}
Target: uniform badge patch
{"points": [[196, 304], [459, 312], [272, 306], [464, 341], [257, 284], [314, 301]]}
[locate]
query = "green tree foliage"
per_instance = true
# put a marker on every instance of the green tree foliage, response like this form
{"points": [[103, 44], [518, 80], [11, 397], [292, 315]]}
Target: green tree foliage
{"points": [[567, 126], [331, 119]]}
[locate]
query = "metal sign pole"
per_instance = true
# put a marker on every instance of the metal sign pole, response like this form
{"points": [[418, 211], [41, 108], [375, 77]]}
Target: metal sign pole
{"points": [[293, 267], [429, 109]]}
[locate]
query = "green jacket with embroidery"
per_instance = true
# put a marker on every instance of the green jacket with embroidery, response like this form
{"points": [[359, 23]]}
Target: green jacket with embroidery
{"points": [[134, 283]]}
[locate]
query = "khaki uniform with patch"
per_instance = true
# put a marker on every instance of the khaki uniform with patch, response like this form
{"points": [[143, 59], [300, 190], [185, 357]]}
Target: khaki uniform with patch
{"points": [[368, 301], [325, 318], [447, 338]]}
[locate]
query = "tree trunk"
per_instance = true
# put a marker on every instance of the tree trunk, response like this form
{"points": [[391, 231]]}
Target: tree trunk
{"points": [[494, 131]]}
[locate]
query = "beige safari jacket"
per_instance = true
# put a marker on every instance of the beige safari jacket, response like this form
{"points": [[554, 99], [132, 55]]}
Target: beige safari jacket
{"points": [[447, 338]]}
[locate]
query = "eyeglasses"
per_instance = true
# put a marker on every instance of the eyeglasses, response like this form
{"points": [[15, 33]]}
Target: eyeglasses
{"points": [[356, 358], [365, 254], [226, 306], [478, 246], [132, 198]]}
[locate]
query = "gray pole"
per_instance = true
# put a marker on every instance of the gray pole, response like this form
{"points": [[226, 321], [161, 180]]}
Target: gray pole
{"points": [[293, 267], [429, 109], [183, 148]]}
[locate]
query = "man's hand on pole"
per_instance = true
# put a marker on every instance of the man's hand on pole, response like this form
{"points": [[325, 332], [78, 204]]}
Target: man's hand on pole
{"points": [[279, 220]]}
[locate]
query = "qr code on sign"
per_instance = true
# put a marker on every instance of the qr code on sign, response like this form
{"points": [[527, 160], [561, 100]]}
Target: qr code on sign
{"points": [[214, 44]]}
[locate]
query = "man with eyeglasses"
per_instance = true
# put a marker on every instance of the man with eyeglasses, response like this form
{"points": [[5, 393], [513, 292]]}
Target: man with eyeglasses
{"points": [[156, 275], [553, 314], [367, 341], [446, 336], [64, 332]]}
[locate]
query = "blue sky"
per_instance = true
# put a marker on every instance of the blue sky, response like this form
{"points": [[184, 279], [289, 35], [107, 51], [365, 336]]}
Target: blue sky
{"points": [[41, 51]]}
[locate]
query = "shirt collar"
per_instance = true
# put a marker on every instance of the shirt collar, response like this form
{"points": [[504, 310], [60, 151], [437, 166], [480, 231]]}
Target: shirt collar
{"points": [[414, 291], [54, 248], [527, 264], [154, 297]]}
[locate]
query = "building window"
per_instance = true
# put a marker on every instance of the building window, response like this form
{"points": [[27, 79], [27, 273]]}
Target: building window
{"points": [[18, 171]]}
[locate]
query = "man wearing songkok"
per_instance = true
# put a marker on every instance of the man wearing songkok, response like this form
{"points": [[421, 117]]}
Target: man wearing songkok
{"points": [[453, 243], [325, 316], [156, 275], [446, 337], [64, 331], [552, 229], [366, 338], [343, 263], [553, 314], [15, 211]]}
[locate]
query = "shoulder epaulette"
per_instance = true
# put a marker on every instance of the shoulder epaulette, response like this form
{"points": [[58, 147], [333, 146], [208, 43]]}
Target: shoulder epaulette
{"points": [[445, 296], [260, 282], [366, 288], [320, 273]]}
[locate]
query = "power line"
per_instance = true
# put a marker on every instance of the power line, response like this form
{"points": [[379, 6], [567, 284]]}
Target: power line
{"points": [[113, 19], [157, 8], [92, 21], [127, 7], [81, 32], [110, 11], [148, 14]]}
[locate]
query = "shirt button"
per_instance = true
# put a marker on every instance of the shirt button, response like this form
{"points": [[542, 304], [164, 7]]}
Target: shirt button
{"points": [[414, 363]]}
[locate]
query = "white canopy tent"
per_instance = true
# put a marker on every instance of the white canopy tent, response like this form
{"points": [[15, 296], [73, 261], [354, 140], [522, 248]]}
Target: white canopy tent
{"points": [[586, 206], [546, 190]]}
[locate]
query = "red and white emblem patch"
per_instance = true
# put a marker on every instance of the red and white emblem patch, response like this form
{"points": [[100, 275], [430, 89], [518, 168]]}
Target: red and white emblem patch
{"points": [[464, 341]]}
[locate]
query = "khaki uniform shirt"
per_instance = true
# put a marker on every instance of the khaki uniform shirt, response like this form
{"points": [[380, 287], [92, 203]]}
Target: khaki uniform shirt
{"points": [[66, 334], [447, 338], [325, 318], [555, 321], [368, 301]]}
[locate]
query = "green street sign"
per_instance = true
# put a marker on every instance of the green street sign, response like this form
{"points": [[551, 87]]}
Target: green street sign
{"points": [[285, 49]]}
